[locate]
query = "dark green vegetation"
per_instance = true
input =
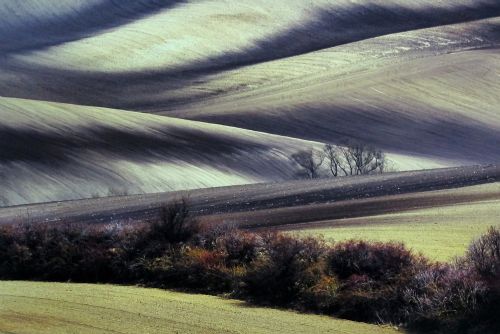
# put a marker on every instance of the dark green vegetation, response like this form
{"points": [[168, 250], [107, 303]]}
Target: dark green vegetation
{"points": [[372, 282]]}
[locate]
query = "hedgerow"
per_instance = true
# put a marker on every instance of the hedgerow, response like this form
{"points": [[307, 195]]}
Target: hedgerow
{"points": [[358, 280]]}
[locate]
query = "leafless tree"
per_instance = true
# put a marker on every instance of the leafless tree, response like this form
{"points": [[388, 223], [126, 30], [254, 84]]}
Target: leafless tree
{"points": [[333, 155], [365, 159], [309, 161], [354, 159]]}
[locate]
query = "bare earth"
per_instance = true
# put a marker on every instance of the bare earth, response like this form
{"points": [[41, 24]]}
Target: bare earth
{"points": [[280, 203]]}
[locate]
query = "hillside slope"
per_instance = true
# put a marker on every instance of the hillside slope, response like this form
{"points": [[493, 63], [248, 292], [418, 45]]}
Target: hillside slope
{"points": [[418, 79], [52, 151], [89, 308], [155, 55], [428, 93]]}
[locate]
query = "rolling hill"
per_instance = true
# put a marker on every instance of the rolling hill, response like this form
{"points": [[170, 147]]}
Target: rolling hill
{"points": [[52, 151], [111, 109], [263, 75], [418, 79]]}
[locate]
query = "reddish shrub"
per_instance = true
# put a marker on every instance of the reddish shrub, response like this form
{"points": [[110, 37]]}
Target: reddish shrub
{"points": [[365, 281], [196, 269], [239, 247], [285, 269], [376, 260]]}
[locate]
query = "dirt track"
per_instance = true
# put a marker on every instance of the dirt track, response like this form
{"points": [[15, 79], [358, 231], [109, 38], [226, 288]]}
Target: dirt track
{"points": [[278, 203]]}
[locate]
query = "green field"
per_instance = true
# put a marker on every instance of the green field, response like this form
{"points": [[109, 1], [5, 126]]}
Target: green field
{"points": [[34, 307], [440, 233]]}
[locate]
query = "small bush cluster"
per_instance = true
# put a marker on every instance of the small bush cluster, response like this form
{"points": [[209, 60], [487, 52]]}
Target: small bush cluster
{"points": [[358, 280]]}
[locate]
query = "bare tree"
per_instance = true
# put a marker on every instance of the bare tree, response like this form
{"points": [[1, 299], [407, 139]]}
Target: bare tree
{"points": [[309, 161], [354, 159], [333, 155], [365, 159]]}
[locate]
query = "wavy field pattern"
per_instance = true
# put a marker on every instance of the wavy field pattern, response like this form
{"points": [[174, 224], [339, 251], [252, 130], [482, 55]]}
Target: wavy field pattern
{"points": [[236, 86]]}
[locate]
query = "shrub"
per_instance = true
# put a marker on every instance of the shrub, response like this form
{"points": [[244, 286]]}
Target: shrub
{"points": [[193, 268], [322, 295], [285, 270], [55, 253], [371, 274], [483, 259], [443, 296], [373, 260], [366, 281], [89, 253], [483, 255], [151, 240], [239, 247], [376, 305], [174, 224]]}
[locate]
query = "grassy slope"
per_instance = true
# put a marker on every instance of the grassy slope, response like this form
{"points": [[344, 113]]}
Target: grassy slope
{"points": [[157, 62], [440, 232], [52, 151], [130, 36], [321, 71], [27, 307], [413, 99]]}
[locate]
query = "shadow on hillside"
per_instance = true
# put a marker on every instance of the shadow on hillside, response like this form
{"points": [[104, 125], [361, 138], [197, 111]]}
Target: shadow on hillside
{"points": [[429, 134], [133, 90], [249, 305], [56, 149], [36, 33]]}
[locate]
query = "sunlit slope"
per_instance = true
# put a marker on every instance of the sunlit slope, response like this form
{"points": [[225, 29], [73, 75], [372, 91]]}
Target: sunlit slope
{"points": [[289, 203], [407, 93], [51, 151], [31, 307], [159, 34], [446, 107], [419, 78], [154, 54], [441, 231], [38, 24]]}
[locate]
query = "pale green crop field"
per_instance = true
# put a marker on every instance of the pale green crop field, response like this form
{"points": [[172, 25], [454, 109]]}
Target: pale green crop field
{"points": [[440, 233], [34, 307]]}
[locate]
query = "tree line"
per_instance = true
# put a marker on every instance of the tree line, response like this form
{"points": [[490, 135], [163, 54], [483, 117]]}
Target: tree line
{"points": [[352, 159]]}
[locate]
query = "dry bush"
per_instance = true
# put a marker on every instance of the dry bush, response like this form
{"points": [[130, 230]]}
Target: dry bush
{"points": [[366, 281], [56, 253], [443, 297], [373, 260], [483, 255], [174, 224], [193, 268], [285, 269]]}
